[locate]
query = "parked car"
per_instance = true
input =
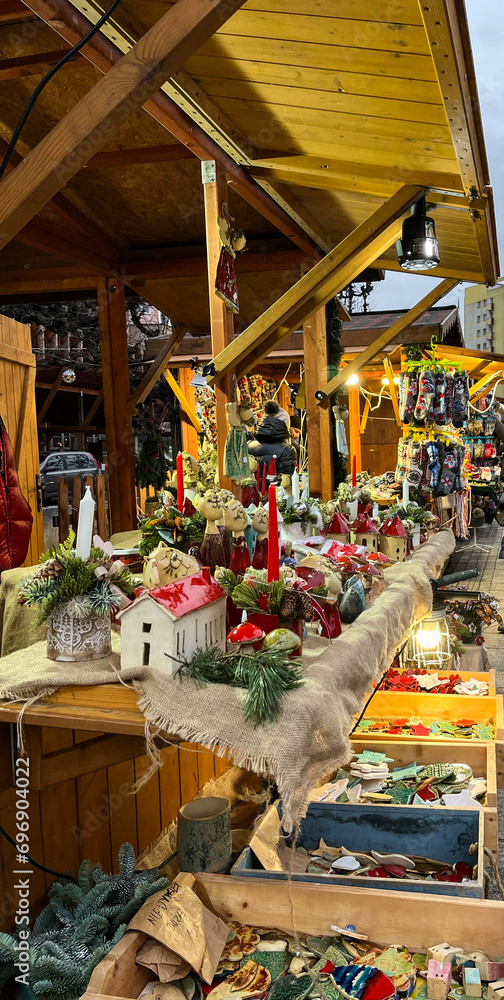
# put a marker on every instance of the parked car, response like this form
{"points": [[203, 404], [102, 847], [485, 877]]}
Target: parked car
{"points": [[64, 463]]}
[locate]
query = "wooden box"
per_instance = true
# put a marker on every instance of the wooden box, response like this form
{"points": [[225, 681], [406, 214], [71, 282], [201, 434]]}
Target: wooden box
{"points": [[480, 756], [397, 918], [443, 834], [393, 705], [465, 675]]}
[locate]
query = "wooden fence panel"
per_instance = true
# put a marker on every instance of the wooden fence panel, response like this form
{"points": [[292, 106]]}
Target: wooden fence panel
{"points": [[77, 489]]}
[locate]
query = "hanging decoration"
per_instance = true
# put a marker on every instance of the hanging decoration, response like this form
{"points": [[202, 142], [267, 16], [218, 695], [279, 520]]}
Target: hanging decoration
{"points": [[232, 242], [151, 466], [236, 456]]}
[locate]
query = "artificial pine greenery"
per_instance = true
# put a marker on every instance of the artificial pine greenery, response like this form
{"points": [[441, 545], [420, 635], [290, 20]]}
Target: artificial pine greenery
{"points": [[80, 924], [267, 675], [151, 466]]}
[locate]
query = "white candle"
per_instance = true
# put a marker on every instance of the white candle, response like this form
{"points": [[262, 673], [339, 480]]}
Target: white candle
{"points": [[85, 525], [304, 481], [405, 493], [295, 485]]}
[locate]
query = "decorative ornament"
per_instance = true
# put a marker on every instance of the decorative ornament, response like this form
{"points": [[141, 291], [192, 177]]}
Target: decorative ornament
{"points": [[236, 520], [166, 565], [212, 506], [69, 376]]}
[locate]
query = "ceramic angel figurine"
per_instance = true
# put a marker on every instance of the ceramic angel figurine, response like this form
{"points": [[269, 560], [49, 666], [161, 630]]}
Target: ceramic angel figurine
{"points": [[212, 506], [236, 520], [260, 522]]}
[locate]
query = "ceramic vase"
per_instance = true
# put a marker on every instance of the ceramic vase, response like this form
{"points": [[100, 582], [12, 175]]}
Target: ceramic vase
{"points": [[71, 639], [204, 836]]}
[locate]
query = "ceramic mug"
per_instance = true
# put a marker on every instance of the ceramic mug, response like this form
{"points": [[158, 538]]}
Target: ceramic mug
{"points": [[204, 835]]}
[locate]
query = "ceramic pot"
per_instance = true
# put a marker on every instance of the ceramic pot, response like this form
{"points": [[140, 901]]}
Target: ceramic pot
{"points": [[204, 836], [72, 639]]}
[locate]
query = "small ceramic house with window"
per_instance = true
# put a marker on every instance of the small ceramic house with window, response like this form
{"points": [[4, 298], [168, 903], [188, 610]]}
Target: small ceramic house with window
{"points": [[168, 624], [394, 539], [338, 529], [366, 532]]}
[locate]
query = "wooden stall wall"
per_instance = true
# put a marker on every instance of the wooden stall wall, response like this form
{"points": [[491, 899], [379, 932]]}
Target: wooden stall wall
{"points": [[380, 438], [91, 814], [17, 407]]}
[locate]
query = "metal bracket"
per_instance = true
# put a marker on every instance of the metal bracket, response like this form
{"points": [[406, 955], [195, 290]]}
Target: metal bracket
{"points": [[208, 171]]}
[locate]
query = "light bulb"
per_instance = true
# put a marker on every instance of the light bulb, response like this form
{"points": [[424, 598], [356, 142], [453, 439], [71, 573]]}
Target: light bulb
{"points": [[353, 379], [384, 380], [428, 635], [396, 379]]}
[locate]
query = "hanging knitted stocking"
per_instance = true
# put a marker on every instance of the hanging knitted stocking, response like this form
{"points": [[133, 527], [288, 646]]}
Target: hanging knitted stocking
{"points": [[460, 399], [400, 472], [413, 467], [440, 398], [424, 463], [432, 451], [448, 473], [426, 391], [448, 397], [408, 387]]}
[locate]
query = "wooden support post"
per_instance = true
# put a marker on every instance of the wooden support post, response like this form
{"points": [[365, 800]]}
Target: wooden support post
{"points": [[354, 425], [184, 402], [189, 435], [389, 372], [221, 321], [365, 415], [116, 391], [318, 421]]}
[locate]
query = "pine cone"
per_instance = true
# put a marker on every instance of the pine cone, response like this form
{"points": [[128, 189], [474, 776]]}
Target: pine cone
{"points": [[49, 570], [304, 606], [288, 604]]}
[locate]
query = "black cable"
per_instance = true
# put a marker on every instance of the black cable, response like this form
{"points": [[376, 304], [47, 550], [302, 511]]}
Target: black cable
{"points": [[377, 688], [42, 868], [43, 83]]}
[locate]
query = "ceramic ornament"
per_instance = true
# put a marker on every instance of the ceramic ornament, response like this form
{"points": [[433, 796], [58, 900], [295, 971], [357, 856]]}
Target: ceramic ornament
{"points": [[260, 522], [291, 988], [166, 565], [251, 980], [212, 507], [236, 521], [438, 980], [346, 863]]}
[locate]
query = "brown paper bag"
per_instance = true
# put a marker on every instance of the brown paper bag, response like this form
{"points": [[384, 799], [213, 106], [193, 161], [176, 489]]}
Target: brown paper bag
{"points": [[163, 962], [177, 919]]}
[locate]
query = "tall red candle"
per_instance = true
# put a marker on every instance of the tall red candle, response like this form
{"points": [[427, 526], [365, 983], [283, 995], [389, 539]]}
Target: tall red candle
{"points": [[354, 471], [273, 546], [180, 482], [263, 491]]}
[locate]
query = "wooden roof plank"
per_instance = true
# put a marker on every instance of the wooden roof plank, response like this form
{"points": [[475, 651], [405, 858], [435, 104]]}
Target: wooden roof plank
{"points": [[384, 35]]}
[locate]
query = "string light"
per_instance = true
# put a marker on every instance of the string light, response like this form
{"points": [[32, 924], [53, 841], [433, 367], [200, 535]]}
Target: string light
{"points": [[353, 379]]}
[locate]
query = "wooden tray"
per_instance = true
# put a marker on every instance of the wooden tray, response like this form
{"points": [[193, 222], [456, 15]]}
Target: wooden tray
{"points": [[398, 918], [481, 756], [465, 675], [393, 705], [443, 834]]}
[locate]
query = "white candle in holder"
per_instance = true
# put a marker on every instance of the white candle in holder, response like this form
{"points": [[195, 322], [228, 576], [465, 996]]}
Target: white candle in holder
{"points": [[85, 525], [405, 493]]}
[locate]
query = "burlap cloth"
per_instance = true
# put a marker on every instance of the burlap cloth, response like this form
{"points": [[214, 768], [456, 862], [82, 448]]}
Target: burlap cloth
{"points": [[311, 735]]}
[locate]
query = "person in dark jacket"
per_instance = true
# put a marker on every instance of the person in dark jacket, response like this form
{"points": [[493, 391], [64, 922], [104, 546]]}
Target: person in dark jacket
{"points": [[272, 438]]}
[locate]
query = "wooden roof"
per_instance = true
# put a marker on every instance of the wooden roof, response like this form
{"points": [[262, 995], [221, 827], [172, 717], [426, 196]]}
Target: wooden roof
{"points": [[319, 111]]}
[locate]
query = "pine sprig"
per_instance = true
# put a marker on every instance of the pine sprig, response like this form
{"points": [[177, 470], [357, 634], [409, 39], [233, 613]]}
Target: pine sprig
{"points": [[266, 675]]}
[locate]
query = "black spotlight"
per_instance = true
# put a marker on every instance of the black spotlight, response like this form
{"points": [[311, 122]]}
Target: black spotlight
{"points": [[209, 369], [319, 395], [418, 250]]}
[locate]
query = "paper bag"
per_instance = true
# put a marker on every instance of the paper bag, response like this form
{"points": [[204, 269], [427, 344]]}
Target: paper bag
{"points": [[177, 919], [163, 962], [270, 850]]}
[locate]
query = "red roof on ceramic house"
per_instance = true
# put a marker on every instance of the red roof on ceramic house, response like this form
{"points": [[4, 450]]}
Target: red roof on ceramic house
{"points": [[338, 525], [363, 525], [394, 527], [189, 594]]}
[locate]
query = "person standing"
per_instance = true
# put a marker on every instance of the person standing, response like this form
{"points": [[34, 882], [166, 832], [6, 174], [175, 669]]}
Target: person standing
{"points": [[273, 439]]}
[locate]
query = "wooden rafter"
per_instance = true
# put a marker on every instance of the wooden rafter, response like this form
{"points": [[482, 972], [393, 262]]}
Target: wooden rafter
{"points": [[156, 369], [316, 287], [86, 128], [13, 10], [27, 65], [184, 402], [67, 21], [140, 154], [388, 337], [50, 396], [93, 408]]}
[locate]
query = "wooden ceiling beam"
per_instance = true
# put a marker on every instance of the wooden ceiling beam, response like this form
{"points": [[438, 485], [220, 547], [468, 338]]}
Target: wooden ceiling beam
{"points": [[156, 369], [63, 243], [50, 396], [460, 274], [67, 21], [68, 388], [387, 337], [21, 283], [124, 89], [12, 11], [374, 179], [315, 288], [28, 65], [140, 154]]}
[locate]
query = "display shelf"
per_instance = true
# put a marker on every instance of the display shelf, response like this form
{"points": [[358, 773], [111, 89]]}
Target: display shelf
{"points": [[392, 705]]}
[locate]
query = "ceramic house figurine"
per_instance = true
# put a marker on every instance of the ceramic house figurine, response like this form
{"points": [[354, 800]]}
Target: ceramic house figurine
{"points": [[236, 520], [366, 532], [438, 980], [338, 529], [211, 505], [165, 565], [168, 624], [496, 990], [394, 539], [260, 522]]}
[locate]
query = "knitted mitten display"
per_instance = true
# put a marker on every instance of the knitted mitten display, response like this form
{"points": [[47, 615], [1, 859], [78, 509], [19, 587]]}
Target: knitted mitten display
{"points": [[459, 480], [460, 399], [400, 472], [432, 451], [439, 407], [426, 392], [448, 397], [424, 463], [408, 392], [413, 466]]}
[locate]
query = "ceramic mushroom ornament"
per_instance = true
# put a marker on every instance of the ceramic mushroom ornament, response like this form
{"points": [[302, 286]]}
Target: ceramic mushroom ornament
{"points": [[211, 506], [260, 522], [236, 520]]}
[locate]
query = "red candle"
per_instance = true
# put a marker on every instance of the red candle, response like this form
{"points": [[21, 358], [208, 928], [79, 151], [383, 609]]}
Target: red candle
{"points": [[354, 470], [273, 546], [263, 491], [180, 482]]}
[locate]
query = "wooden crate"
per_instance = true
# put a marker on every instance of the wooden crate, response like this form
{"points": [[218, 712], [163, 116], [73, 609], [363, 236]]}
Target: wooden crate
{"points": [[465, 675], [480, 756], [397, 918], [443, 834], [392, 705]]}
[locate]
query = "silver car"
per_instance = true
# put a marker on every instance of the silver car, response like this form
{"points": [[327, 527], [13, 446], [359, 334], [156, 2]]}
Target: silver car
{"points": [[64, 463]]}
